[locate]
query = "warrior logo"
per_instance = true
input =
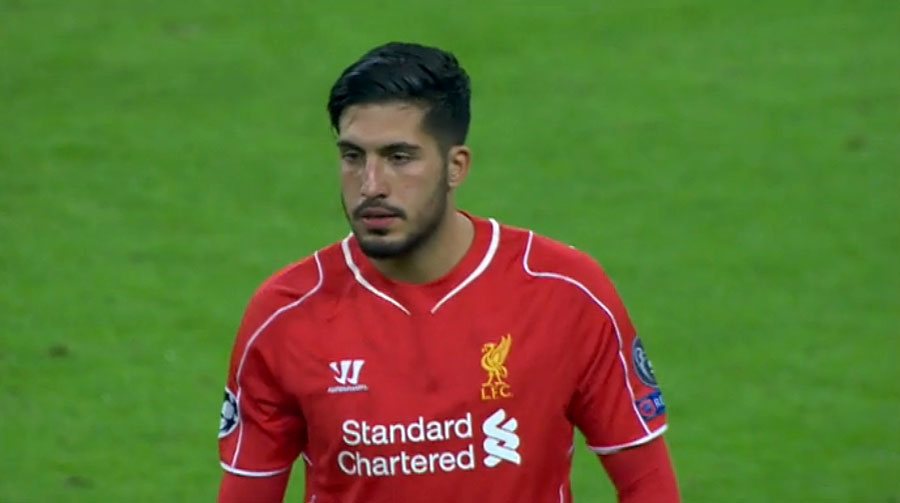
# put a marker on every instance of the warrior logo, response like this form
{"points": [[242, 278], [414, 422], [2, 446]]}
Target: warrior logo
{"points": [[346, 374]]}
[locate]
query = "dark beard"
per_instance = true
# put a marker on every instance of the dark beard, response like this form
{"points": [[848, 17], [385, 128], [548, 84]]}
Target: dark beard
{"points": [[437, 206]]}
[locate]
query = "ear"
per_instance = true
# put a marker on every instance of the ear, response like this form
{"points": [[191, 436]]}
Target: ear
{"points": [[459, 159]]}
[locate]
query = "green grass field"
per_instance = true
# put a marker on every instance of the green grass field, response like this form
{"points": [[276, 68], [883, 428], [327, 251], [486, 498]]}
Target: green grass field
{"points": [[734, 165]]}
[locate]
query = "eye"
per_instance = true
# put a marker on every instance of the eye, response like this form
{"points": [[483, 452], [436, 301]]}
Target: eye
{"points": [[350, 156], [399, 158]]}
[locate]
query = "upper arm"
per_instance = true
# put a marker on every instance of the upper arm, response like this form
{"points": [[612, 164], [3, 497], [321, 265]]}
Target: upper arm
{"points": [[617, 403], [262, 430]]}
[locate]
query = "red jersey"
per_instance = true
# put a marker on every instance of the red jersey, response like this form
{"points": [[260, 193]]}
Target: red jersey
{"points": [[464, 389]]}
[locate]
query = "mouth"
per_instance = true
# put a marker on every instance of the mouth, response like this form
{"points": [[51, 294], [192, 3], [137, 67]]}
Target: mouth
{"points": [[378, 218], [377, 213]]}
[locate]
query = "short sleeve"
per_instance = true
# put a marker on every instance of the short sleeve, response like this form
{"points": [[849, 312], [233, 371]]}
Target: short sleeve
{"points": [[617, 402], [262, 430]]}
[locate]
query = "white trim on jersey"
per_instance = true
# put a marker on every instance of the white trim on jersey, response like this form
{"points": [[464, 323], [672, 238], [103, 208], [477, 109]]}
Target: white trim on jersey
{"points": [[605, 309], [237, 375], [348, 258], [643, 440], [485, 262], [247, 473]]}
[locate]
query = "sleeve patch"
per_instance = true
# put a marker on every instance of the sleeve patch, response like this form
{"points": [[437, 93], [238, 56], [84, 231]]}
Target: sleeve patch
{"points": [[231, 416], [651, 406], [642, 366]]}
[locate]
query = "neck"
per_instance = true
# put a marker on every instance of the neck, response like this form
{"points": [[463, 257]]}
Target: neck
{"points": [[435, 257]]}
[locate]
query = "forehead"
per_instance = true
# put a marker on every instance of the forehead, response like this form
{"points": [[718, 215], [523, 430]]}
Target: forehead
{"points": [[382, 123]]}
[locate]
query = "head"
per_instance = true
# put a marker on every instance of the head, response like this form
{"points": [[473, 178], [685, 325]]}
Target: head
{"points": [[401, 114]]}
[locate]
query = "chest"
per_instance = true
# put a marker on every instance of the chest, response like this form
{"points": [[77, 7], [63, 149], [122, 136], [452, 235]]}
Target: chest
{"points": [[378, 365]]}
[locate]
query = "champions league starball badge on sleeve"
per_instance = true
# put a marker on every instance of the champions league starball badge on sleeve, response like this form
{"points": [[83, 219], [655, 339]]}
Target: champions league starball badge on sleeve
{"points": [[642, 366], [230, 416]]}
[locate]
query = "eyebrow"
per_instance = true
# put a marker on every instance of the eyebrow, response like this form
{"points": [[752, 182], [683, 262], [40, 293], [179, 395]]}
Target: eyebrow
{"points": [[400, 146], [344, 144]]}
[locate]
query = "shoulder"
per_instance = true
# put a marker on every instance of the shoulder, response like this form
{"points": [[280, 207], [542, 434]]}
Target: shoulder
{"points": [[540, 255], [291, 288], [290, 283], [563, 268], [543, 254]]}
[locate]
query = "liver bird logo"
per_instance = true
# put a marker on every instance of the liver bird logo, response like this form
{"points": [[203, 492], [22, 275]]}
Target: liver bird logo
{"points": [[493, 359]]}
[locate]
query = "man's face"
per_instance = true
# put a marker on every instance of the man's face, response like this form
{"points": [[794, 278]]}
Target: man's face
{"points": [[393, 178]]}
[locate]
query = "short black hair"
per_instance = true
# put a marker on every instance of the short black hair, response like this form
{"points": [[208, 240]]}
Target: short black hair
{"points": [[398, 71]]}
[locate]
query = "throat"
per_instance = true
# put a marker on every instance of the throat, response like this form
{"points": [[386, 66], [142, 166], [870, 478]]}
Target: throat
{"points": [[436, 257]]}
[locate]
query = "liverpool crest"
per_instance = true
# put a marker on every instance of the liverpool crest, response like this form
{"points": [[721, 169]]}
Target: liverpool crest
{"points": [[493, 361]]}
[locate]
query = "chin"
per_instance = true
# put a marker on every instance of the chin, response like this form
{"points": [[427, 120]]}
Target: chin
{"points": [[379, 247]]}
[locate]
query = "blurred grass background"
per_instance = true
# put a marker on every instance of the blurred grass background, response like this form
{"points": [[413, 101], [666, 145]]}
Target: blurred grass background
{"points": [[734, 165]]}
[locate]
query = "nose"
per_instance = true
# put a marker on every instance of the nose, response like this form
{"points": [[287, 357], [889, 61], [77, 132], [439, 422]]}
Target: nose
{"points": [[374, 180]]}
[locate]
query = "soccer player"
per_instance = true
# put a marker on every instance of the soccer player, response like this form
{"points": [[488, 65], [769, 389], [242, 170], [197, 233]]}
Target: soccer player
{"points": [[432, 355]]}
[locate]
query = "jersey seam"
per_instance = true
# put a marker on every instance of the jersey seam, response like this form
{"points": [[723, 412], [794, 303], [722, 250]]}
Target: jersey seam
{"points": [[603, 307], [634, 443], [255, 336], [479, 270], [482, 267], [357, 274], [249, 473]]}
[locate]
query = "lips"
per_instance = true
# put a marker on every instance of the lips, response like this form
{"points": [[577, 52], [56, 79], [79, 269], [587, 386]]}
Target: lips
{"points": [[377, 216], [376, 213], [379, 224]]}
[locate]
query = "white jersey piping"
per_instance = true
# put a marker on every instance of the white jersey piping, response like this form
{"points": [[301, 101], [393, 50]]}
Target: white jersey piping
{"points": [[605, 309], [643, 440], [269, 320], [348, 258], [482, 266], [485, 262], [247, 473]]}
